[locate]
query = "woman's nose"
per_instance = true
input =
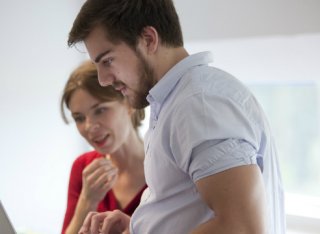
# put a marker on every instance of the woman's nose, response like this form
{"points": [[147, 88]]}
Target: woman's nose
{"points": [[92, 126]]}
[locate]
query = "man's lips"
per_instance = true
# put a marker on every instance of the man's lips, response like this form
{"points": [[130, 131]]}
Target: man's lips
{"points": [[123, 91], [119, 86]]}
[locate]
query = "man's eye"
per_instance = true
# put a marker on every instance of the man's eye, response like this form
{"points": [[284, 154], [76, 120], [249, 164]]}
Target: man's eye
{"points": [[108, 61]]}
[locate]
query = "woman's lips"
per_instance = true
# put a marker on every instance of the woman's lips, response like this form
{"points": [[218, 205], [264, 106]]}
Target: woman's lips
{"points": [[101, 142]]}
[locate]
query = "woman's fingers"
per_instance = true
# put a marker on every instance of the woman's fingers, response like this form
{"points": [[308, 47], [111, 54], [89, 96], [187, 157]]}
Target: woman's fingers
{"points": [[100, 175], [98, 179], [104, 177], [96, 164]]}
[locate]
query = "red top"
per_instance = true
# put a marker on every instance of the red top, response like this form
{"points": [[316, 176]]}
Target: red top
{"points": [[109, 202]]}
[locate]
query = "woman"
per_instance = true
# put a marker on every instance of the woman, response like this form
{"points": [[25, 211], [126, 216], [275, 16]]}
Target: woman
{"points": [[111, 176]]}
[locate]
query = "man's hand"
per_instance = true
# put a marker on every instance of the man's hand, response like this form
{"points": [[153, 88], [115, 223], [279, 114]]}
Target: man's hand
{"points": [[110, 222]]}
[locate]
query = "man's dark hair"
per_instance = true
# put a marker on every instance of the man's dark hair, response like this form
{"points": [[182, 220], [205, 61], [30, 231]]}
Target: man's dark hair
{"points": [[124, 21]]}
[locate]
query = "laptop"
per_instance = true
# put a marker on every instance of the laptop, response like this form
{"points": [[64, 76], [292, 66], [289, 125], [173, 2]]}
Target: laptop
{"points": [[5, 224]]}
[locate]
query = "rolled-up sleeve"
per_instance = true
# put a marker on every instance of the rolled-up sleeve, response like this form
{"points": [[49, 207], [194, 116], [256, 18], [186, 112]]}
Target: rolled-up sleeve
{"points": [[211, 157], [214, 134]]}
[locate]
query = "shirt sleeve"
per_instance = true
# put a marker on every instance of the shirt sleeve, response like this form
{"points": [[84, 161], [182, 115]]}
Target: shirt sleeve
{"points": [[214, 133], [74, 190]]}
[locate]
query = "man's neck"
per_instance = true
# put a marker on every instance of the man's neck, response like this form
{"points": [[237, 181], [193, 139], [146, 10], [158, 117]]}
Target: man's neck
{"points": [[167, 58]]}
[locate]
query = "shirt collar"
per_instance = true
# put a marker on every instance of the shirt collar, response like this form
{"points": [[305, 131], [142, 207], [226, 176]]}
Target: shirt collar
{"points": [[167, 83]]}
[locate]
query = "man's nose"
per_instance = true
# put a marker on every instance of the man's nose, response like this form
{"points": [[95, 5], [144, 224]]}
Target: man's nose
{"points": [[104, 78]]}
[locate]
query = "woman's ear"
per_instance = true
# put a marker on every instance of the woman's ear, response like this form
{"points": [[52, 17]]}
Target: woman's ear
{"points": [[149, 39]]}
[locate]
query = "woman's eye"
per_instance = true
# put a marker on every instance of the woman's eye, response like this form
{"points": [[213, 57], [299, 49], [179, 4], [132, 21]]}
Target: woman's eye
{"points": [[100, 110], [78, 119]]}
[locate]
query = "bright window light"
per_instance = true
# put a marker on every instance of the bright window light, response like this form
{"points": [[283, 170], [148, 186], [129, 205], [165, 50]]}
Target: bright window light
{"points": [[284, 74]]}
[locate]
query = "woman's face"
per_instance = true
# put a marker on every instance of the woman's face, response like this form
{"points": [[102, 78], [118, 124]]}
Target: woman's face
{"points": [[105, 125]]}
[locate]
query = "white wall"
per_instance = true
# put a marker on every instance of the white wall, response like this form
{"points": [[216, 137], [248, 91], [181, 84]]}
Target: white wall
{"points": [[37, 148], [268, 59], [217, 19]]}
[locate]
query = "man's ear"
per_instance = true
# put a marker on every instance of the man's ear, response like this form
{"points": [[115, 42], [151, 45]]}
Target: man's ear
{"points": [[149, 39], [130, 109]]}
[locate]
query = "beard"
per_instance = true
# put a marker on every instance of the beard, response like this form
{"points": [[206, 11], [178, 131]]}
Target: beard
{"points": [[145, 82]]}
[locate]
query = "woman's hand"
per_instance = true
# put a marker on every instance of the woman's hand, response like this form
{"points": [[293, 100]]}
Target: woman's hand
{"points": [[97, 179]]}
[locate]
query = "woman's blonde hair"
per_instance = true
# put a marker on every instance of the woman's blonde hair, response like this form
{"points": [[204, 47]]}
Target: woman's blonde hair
{"points": [[86, 77]]}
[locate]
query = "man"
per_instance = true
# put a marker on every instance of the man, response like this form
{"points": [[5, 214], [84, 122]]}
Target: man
{"points": [[210, 164]]}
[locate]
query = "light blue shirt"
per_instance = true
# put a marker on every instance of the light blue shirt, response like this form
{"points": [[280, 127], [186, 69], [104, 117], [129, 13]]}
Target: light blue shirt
{"points": [[202, 121]]}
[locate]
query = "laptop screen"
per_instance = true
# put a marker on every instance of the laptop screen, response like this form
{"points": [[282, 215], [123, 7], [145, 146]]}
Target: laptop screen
{"points": [[5, 224]]}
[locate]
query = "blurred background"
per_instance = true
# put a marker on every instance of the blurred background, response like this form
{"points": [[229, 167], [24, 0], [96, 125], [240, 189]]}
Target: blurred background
{"points": [[272, 46]]}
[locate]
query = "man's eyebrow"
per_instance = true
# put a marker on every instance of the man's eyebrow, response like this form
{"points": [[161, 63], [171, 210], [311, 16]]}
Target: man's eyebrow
{"points": [[98, 58]]}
